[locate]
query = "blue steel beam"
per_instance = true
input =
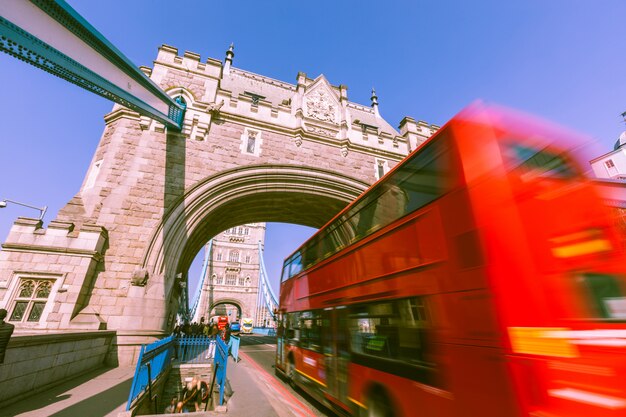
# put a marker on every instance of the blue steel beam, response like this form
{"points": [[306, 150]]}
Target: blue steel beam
{"points": [[52, 36], [265, 289], [203, 276]]}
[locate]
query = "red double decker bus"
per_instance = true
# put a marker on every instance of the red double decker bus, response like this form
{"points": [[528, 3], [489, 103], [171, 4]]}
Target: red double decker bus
{"points": [[482, 276]]}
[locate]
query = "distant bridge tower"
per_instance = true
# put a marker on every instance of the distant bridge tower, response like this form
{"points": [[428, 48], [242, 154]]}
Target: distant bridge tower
{"points": [[232, 275]]}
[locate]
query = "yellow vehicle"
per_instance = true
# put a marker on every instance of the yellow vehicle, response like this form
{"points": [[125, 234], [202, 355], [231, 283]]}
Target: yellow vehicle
{"points": [[246, 326]]}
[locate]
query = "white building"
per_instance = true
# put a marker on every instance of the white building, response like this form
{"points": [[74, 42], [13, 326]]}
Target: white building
{"points": [[612, 165]]}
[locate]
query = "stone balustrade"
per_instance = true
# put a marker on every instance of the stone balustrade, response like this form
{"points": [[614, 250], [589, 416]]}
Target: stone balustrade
{"points": [[34, 363]]}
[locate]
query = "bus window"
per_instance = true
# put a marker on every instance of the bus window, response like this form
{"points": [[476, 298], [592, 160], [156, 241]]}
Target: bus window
{"points": [[427, 177], [419, 181], [292, 266], [293, 326], [311, 330], [393, 330], [605, 296], [531, 163], [285, 276], [296, 265]]}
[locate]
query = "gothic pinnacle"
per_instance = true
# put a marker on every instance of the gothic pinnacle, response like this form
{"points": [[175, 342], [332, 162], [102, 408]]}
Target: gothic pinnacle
{"points": [[230, 53], [374, 99], [229, 59]]}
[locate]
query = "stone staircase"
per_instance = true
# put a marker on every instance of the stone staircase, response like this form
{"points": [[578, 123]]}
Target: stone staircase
{"points": [[179, 375]]}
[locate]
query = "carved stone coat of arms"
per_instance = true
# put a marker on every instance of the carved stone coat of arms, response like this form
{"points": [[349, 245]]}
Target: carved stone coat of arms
{"points": [[320, 106]]}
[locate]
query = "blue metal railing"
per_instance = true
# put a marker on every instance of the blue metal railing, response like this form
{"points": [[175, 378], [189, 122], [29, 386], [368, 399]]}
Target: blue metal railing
{"points": [[219, 366], [154, 360], [195, 349], [233, 344], [266, 331]]}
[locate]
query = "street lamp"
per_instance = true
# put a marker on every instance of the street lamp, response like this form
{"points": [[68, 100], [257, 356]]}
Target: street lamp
{"points": [[42, 210]]}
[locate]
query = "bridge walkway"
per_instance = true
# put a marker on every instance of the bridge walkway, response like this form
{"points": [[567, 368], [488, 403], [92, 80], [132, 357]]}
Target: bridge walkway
{"points": [[102, 392]]}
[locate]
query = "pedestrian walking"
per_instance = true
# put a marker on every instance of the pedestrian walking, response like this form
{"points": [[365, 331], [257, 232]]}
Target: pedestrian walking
{"points": [[6, 330]]}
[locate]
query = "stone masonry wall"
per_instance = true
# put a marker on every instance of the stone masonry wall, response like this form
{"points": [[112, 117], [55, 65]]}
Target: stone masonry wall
{"points": [[109, 248], [34, 363]]}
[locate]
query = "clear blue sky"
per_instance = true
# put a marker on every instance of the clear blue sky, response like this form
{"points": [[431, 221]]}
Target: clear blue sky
{"points": [[563, 60]]}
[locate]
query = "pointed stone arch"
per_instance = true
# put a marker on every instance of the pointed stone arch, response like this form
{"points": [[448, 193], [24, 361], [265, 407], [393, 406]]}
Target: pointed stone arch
{"points": [[273, 193], [230, 301]]}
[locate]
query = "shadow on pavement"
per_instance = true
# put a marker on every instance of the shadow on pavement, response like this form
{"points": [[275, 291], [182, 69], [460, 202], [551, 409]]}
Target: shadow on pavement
{"points": [[100, 404], [96, 405]]}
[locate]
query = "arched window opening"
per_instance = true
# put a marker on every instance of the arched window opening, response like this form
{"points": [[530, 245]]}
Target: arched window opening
{"points": [[31, 300]]}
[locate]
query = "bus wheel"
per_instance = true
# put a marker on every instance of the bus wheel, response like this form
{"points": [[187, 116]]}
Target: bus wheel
{"points": [[378, 405], [291, 374]]}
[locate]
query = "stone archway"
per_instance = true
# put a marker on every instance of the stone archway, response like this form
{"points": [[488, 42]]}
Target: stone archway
{"points": [[228, 301], [252, 149], [269, 193], [300, 195]]}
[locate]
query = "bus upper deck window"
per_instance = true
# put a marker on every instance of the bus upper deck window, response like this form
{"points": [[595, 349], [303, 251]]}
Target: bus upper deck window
{"points": [[531, 162], [605, 295]]}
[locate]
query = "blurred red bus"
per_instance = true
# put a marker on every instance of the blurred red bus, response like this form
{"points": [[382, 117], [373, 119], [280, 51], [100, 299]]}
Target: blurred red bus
{"points": [[482, 276], [222, 321]]}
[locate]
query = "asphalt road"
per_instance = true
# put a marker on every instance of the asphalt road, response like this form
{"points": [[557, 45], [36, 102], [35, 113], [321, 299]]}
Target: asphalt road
{"points": [[262, 350]]}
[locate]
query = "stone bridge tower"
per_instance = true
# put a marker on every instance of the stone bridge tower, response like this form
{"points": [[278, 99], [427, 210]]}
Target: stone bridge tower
{"points": [[252, 149], [232, 273]]}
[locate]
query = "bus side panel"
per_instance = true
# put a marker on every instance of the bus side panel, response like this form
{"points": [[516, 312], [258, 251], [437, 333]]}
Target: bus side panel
{"points": [[310, 365], [479, 379], [470, 316], [410, 398]]}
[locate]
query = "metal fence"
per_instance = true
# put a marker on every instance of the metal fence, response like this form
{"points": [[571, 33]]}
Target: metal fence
{"points": [[233, 344], [154, 359], [266, 331], [195, 349], [219, 366]]}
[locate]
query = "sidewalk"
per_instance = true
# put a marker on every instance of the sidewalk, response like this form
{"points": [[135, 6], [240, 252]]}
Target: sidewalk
{"points": [[248, 398], [257, 393], [99, 393], [104, 392]]}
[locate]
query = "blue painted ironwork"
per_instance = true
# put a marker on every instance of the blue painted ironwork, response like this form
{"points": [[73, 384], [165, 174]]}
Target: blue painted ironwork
{"points": [[203, 274], [27, 47], [221, 360], [195, 349], [154, 360], [265, 331], [265, 289], [233, 346]]}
